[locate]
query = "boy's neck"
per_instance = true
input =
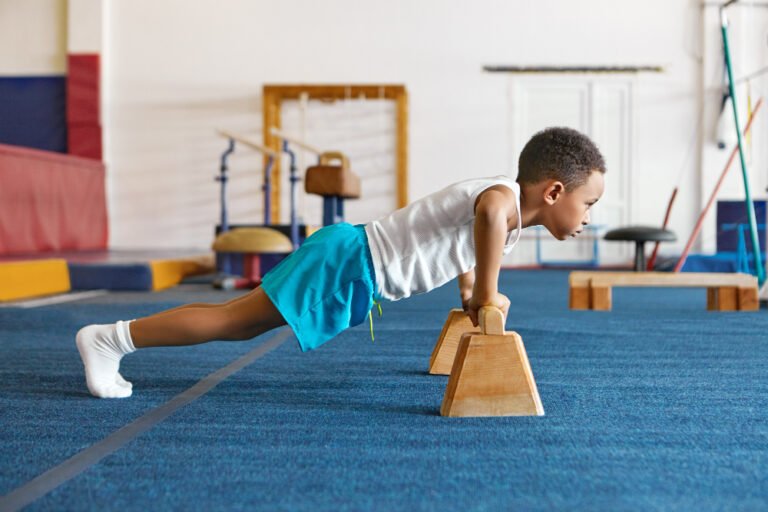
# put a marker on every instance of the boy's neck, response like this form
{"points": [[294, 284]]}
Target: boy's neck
{"points": [[531, 205]]}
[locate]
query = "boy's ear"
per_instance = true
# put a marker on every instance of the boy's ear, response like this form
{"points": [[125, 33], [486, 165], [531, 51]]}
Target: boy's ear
{"points": [[553, 192]]}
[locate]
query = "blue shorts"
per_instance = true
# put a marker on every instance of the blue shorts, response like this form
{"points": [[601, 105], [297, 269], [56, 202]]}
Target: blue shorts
{"points": [[327, 285]]}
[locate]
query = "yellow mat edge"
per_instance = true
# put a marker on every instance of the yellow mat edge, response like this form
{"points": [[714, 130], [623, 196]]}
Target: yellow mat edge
{"points": [[170, 272], [35, 278]]}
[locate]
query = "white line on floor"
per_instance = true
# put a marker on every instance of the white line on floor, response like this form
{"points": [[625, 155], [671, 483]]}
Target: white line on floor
{"points": [[56, 299], [70, 468]]}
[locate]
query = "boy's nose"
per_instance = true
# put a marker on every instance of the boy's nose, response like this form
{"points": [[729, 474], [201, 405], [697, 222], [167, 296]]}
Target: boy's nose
{"points": [[586, 219]]}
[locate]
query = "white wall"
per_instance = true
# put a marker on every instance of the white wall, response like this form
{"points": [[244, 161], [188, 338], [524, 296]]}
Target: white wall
{"points": [[178, 69], [85, 21], [33, 35], [748, 40]]}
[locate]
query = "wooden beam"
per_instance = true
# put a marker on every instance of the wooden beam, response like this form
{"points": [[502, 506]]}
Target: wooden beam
{"points": [[295, 140], [246, 142], [725, 292], [662, 279], [271, 119], [336, 92], [402, 149]]}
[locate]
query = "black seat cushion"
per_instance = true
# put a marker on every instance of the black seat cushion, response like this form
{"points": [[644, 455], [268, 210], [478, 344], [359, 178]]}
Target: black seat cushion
{"points": [[641, 234]]}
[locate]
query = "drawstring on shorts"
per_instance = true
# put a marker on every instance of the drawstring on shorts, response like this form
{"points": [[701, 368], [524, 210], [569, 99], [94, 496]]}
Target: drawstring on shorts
{"points": [[370, 317]]}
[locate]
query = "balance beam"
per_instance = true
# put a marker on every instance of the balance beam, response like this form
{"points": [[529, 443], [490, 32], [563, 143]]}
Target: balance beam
{"points": [[725, 292]]}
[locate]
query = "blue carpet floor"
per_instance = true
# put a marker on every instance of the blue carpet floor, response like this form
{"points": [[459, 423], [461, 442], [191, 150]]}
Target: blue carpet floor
{"points": [[658, 405]]}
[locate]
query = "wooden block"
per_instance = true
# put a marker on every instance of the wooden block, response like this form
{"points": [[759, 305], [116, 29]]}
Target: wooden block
{"points": [[711, 299], [444, 353], [727, 298], [579, 297], [600, 298], [662, 279], [749, 299], [491, 375], [725, 291]]}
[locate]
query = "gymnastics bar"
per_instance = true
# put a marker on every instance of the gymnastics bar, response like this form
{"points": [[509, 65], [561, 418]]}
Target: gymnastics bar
{"points": [[725, 292], [247, 142], [298, 142]]}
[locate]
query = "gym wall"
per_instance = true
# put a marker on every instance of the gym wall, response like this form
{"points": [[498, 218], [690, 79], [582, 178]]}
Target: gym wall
{"points": [[199, 66], [176, 70], [32, 69]]}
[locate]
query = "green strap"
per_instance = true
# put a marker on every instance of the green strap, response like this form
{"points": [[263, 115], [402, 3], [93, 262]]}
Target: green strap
{"points": [[370, 317]]}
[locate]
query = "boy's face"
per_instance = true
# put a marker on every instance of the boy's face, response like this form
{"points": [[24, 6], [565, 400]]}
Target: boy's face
{"points": [[570, 210]]}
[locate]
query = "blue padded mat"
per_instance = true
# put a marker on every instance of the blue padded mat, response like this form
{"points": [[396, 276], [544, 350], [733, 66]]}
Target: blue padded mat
{"points": [[658, 405]]}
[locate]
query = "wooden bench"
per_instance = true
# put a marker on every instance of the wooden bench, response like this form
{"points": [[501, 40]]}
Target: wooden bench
{"points": [[725, 292]]}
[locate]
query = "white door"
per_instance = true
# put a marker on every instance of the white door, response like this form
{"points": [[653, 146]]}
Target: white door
{"points": [[600, 107]]}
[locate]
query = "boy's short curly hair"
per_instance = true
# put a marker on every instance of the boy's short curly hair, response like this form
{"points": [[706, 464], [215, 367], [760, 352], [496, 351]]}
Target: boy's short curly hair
{"points": [[559, 153]]}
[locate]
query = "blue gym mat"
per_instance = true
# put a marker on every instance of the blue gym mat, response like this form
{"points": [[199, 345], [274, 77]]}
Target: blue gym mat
{"points": [[657, 405]]}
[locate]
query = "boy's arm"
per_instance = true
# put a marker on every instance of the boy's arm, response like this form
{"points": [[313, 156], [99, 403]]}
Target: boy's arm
{"points": [[492, 213]]}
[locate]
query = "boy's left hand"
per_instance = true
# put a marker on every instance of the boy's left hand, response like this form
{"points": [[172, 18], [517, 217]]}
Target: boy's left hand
{"points": [[499, 301]]}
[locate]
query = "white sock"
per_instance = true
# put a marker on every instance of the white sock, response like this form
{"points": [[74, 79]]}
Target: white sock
{"points": [[101, 347]]}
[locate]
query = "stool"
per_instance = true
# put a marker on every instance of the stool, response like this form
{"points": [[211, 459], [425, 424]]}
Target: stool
{"points": [[334, 182], [250, 243], [640, 235]]}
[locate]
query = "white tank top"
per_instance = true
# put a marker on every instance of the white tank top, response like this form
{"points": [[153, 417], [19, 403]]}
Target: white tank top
{"points": [[431, 241]]}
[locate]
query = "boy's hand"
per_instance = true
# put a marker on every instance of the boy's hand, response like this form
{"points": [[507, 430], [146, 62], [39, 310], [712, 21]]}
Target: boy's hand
{"points": [[499, 301]]}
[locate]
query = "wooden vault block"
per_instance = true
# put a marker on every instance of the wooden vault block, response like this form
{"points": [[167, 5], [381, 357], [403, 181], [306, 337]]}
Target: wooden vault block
{"points": [[444, 353], [725, 291], [491, 375]]}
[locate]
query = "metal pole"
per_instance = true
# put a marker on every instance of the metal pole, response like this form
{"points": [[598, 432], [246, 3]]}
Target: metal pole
{"points": [[222, 178], [294, 178], [745, 177], [267, 188]]}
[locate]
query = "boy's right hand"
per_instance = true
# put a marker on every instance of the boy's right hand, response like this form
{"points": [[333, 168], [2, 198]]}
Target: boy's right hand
{"points": [[499, 301]]}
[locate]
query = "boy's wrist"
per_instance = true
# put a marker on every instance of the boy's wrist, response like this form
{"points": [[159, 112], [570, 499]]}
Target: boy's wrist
{"points": [[483, 296]]}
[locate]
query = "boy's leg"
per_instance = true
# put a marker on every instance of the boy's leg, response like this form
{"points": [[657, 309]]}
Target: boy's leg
{"points": [[102, 346], [119, 378], [204, 304], [240, 319]]}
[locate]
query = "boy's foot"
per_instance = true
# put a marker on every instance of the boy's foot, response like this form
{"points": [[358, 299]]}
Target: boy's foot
{"points": [[101, 349], [122, 382]]}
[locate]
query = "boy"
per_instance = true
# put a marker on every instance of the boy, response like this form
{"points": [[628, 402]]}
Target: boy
{"points": [[332, 281]]}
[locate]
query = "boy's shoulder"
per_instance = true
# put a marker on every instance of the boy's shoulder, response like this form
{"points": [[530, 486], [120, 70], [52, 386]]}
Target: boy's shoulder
{"points": [[478, 185], [458, 193], [501, 182]]}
